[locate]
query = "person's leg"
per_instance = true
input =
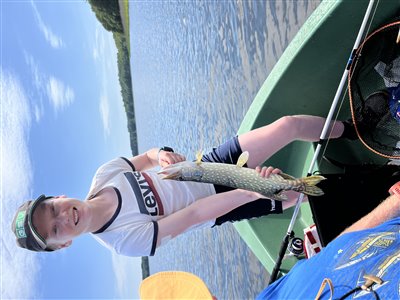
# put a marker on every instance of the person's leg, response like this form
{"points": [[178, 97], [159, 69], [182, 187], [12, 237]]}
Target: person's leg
{"points": [[255, 209], [259, 208], [229, 152], [292, 199], [263, 142]]}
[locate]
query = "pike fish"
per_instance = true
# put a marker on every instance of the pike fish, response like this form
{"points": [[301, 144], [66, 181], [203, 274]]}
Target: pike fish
{"points": [[237, 176]]}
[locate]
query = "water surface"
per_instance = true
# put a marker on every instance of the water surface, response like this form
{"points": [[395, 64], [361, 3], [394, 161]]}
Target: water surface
{"points": [[196, 68]]}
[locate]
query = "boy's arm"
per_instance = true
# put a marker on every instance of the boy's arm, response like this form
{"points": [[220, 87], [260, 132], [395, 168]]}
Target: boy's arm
{"points": [[154, 157], [387, 210], [202, 210]]}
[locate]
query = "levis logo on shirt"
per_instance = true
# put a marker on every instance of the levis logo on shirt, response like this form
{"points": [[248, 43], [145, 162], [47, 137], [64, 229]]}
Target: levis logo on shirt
{"points": [[148, 200]]}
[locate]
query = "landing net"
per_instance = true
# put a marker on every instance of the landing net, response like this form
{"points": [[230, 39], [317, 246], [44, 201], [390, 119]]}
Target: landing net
{"points": [[374, 91]]}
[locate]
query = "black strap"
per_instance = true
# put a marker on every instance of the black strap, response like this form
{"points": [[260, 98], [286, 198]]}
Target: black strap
{"points": [[356, 290]]}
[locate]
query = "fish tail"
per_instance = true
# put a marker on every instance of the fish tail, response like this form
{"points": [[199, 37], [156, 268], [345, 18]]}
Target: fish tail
{"points": [[309, 185]]}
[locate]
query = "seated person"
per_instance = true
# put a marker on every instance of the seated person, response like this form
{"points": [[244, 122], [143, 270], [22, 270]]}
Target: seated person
{"points": [[371, 246]]}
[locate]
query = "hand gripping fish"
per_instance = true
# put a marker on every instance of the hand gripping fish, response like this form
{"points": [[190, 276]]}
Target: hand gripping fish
{"points": [[237, 176]]}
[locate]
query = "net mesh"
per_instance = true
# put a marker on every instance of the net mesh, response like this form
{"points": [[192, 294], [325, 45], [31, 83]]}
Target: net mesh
{"points": [[374, 91]]}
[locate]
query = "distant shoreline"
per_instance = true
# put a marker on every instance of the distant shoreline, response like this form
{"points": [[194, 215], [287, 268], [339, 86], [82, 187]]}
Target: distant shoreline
{"points": [[114, 16], [124, 13]]}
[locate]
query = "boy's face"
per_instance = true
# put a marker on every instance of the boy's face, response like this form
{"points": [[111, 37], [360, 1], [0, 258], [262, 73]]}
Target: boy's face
{"points": [[61, 219]]}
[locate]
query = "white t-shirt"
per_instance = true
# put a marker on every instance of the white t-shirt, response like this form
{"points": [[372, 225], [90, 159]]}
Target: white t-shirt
{"points": [[143, 199]]}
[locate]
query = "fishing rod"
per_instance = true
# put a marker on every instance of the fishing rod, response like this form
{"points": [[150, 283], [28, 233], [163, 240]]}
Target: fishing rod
{"points": [[323, 136]]}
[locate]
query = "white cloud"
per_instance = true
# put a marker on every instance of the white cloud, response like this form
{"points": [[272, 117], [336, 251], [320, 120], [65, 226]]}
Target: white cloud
{"points": [[37, 76], [54, 40], [99, 42], [38, 79], [128, 273], [59, 94], [95, 53], [104, 108], [19, 268], [104, 55], [38, 113]]}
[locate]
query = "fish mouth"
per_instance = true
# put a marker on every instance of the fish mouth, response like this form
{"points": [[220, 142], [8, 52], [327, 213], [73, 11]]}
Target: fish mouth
{"points": [[169, 174]]}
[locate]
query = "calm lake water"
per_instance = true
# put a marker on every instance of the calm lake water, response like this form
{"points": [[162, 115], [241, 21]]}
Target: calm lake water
{"points": [[196, 68]]}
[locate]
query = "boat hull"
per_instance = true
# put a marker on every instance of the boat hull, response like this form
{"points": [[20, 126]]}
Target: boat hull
{"points": [[304, 81]]}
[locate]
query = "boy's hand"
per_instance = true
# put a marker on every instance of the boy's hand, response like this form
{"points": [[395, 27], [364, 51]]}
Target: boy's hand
{"points": [[267, 171], [166, 158]]}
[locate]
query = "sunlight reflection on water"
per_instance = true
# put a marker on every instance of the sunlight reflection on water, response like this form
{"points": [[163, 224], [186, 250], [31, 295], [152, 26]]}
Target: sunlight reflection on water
{"points": [[196, 68]]}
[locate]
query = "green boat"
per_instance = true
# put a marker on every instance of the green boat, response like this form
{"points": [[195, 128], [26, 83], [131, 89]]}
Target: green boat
{"points": [[304, 81]]}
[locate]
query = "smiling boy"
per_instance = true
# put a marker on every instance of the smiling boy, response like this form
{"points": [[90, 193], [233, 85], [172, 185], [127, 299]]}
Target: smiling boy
{"points": [[132, 211]]}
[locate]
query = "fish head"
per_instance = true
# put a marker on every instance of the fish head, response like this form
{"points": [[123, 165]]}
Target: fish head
{"points": [[185, 170]]}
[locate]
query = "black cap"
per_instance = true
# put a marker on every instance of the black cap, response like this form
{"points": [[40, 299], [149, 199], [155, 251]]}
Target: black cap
{"points": [[26, 234]]}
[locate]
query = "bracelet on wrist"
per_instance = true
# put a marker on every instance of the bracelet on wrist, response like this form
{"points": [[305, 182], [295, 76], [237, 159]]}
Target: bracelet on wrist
{"points": [[165, 148]]}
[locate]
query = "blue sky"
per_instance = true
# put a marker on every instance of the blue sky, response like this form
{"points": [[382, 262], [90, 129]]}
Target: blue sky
{"points": [[62, 116]]}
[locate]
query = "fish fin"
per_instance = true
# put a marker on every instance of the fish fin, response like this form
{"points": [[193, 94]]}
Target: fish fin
{"points": [[243, 158], [199, 156], [310, 182], [286, 176], [280, 196]]}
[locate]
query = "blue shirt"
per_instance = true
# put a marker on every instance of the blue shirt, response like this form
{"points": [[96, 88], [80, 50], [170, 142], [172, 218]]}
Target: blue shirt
{"points": [[345, 260]]}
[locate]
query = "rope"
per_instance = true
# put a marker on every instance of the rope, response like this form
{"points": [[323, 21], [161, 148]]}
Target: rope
{"points": [[356, 289], [370, 280], [322, 288]]}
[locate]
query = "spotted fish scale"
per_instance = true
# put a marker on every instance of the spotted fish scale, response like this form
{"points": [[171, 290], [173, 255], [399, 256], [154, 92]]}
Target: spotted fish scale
{"points": [[236, 176]]}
